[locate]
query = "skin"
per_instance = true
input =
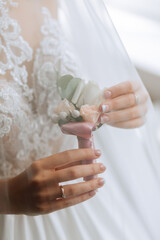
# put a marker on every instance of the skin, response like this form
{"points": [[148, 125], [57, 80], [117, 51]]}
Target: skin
{"points": [[36, 191], [120, 108]]}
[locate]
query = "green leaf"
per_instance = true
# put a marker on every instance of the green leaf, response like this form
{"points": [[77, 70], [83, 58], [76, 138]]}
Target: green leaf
{"points": [[71, 87], [62, 83]]}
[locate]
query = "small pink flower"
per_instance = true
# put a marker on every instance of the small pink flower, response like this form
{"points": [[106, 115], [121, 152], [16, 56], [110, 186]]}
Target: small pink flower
{"points": [[90, 113]]}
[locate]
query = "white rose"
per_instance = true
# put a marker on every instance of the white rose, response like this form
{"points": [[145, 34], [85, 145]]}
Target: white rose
{"points": [[91, 94]]}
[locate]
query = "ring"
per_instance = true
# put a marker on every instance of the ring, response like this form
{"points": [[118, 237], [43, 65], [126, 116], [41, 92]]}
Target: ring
{"points": [[136, 99], [62, 190]]}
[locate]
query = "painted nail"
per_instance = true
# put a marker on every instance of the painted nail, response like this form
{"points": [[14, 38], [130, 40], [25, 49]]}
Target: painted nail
{"points": [[105, 108], [98, 152], [107, 94], [101, 182], [102, 167], [92, 193], [104, 119]]}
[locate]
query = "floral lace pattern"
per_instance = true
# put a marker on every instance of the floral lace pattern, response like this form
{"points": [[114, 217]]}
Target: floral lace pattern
{"points": [[10, 40], [52, 58], [27, 131]]}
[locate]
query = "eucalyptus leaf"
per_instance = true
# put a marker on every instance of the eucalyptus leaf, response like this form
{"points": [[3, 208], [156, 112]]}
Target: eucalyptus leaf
{"points": [[71, 87], [64, 80], [62, 83]]}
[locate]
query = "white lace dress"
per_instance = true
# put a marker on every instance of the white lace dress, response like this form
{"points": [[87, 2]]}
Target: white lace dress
{"points": [[32, 49]]}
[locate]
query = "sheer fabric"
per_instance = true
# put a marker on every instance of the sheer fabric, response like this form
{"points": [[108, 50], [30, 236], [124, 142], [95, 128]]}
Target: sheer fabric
{"points": [[32, 49], [28, 85]]}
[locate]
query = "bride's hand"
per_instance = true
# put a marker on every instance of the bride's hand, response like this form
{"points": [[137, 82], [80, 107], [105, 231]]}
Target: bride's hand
{"points": [[36, 191], [125, 106]]}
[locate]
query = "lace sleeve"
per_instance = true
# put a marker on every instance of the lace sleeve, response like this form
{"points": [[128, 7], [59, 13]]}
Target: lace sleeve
{"points": [[28, 90], [14, 90]]}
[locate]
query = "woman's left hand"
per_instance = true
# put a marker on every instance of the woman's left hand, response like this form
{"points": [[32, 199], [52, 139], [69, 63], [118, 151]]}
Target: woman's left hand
{"points": [[125, 105]]}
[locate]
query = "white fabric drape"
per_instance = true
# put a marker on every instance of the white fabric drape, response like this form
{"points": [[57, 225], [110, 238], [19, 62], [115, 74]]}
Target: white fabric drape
{"points": [[146, 8]]}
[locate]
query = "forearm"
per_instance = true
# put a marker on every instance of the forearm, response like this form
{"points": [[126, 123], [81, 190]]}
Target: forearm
{"points": [[9, 195], [5, 205]]}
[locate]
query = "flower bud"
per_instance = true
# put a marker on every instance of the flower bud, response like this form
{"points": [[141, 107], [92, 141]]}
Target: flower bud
{"points": [[63, 115], [75, 114], [55, 118]]}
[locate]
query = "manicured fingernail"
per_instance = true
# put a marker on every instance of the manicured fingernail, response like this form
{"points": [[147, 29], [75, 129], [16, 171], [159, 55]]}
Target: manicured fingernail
{"points": [[92, 193], [102, 167], [98, 152], [105, 108], [107, 94], [101, 182], [104, 119]]}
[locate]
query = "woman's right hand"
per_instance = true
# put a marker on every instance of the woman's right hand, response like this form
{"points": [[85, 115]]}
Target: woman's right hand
{"points": [[36, 191]]}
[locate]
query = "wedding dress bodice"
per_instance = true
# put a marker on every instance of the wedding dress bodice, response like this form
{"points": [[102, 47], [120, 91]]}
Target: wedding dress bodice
{"points": [[28, 90]]}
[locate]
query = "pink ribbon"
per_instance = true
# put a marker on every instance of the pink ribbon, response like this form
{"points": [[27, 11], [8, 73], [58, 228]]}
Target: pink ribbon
{"points": [[83, 131]]}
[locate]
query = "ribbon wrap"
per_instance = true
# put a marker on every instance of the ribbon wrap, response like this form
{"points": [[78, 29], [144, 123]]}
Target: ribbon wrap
{"points": [[84, 133]]}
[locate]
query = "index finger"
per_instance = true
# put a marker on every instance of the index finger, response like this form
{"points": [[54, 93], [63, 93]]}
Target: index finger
{"points": [[121, 89], [68, 157]]}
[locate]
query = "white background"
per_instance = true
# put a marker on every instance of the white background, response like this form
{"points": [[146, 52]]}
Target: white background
{"points": [[138, 24]]}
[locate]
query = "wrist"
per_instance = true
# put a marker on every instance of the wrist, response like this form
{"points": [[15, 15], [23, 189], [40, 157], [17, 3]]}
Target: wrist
{"points": [[5, 204]]}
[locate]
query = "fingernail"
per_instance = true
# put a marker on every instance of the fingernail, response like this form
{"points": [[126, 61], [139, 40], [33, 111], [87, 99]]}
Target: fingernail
{"points": [[107, 94], [101, 182], [92, 193], [102, 167], [97, 152], [96, 190], [105, 108], [104, 119]]}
